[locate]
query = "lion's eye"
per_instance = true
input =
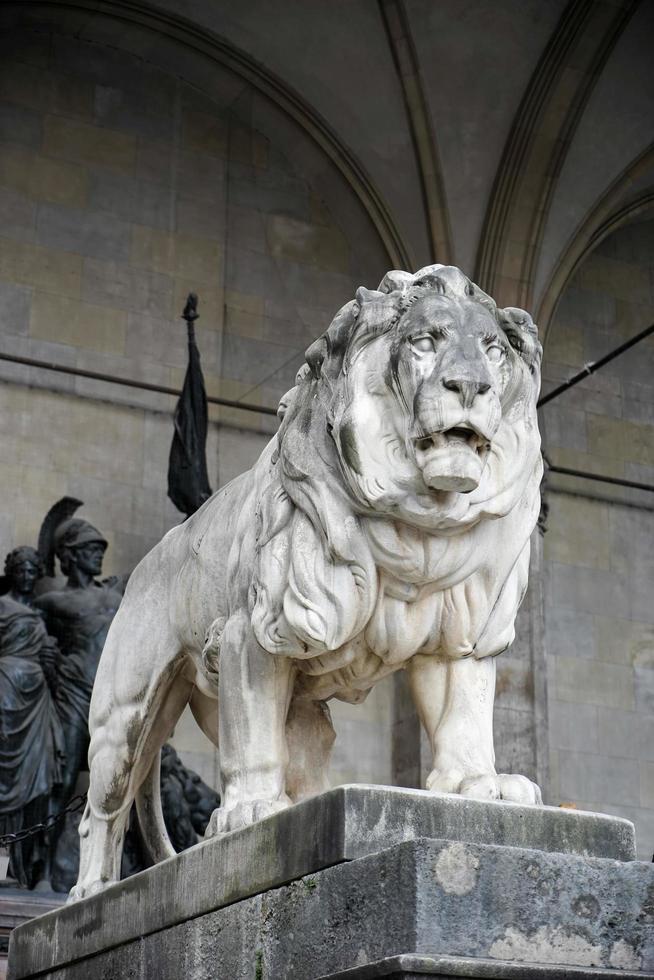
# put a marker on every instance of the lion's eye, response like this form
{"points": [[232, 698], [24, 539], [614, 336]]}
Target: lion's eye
{"points": [[424, 343], [495, 353]]}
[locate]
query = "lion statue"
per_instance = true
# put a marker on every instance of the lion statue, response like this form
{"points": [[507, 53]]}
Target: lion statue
{"points": [[386, 527]]}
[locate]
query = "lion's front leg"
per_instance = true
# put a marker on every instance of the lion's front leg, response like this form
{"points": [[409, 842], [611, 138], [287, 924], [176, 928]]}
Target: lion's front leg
{"points": [[254, 694], [454, 699]]}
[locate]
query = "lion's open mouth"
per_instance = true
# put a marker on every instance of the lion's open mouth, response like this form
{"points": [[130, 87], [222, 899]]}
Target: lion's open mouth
{"points": [[458, 434], [452, 459]]}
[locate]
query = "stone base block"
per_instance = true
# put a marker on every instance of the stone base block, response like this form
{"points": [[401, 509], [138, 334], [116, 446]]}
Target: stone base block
{"points": [[17, 905], [366, 882], [411, 967]]}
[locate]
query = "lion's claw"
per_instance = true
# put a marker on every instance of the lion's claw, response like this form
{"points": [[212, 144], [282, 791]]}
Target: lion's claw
{"points": [[223, 821], [487, 786], [80, 891], [519, 789]]}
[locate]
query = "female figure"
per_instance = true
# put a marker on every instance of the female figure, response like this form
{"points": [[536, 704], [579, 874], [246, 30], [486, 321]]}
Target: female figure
{"points": [[31, 745]]}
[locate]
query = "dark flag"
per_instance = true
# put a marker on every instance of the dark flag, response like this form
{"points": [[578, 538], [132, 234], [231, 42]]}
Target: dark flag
{"points": [[188, 481]]}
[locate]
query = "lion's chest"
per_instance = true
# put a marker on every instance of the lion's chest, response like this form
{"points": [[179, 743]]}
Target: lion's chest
{"points": [[406, 621], [434, 592], [466, 607], [409, 619]]}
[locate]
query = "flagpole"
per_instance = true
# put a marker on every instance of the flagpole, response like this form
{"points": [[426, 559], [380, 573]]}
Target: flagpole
{"points": [[190, 314], [188, 480]]}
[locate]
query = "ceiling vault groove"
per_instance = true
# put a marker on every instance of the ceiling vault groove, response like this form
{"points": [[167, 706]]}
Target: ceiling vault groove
{"points": [[220, 50], [538, 143], [521, 136], [405, 58], [610, 211]]}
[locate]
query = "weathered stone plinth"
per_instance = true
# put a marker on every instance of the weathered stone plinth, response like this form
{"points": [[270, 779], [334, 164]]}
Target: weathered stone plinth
{"points": [[17, 905], [368, 882]]}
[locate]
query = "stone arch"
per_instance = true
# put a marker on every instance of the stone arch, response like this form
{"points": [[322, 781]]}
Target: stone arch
{"points": [[615, 208], [542, 132], [405, 57], [152, 32]]}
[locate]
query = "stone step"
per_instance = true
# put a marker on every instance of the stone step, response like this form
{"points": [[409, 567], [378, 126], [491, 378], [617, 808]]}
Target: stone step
{"points": [[336, 831], [412, 967], [453, 907]]}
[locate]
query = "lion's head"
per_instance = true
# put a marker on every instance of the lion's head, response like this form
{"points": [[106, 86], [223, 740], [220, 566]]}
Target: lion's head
{"points": [[421, 387], [418, 404]]}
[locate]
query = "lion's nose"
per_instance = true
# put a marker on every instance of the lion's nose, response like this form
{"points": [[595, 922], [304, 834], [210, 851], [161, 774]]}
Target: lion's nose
{"points": [[467, 389]]}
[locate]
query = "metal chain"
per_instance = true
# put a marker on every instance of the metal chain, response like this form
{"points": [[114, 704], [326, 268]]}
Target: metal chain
{"points": [[76, 803]]}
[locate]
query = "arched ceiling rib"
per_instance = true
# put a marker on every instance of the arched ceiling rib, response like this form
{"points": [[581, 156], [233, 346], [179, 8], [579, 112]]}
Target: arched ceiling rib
{"points": [[336, 54], [630, 193], [616, 127], [408, 68], [144, 25], [540, 138], [476, 58]]}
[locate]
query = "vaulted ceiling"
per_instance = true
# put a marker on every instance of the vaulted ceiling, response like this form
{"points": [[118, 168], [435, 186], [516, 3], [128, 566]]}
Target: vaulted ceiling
{"points": [[503, 136], [506, 136]]}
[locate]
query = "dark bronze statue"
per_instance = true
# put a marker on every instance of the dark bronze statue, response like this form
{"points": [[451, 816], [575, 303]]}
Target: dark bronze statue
{"points": [[31, 743], [23, 568], [50, 646], [78, 616]]}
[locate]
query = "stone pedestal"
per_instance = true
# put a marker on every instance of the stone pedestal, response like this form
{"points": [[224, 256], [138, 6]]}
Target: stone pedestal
{"points": [[366, 882], [18, 906]]}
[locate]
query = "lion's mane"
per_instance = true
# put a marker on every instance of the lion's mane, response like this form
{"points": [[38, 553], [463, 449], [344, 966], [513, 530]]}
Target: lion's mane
{"points": [[316, 581]]}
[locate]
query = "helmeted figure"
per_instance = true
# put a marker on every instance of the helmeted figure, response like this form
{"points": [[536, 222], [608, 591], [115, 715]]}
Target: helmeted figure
{"points": [[31, 743], [79, 616]]}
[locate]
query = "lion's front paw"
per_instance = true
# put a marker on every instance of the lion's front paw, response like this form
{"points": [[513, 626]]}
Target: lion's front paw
{"points": [[81, 890], [242, 815], [486, 786], [519, 789]]}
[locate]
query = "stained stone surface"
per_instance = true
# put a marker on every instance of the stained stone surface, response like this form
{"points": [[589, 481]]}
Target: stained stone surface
{"points": [[401, 883], [422, 897], [412, 967]]}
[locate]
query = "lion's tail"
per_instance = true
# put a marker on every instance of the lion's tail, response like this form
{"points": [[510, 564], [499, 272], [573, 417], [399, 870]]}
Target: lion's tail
{"points": [[150, 815]]}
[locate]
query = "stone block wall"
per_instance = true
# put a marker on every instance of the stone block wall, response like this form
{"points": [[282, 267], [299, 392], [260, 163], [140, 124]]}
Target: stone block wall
{"points": [[600, 571], [123, 189]]}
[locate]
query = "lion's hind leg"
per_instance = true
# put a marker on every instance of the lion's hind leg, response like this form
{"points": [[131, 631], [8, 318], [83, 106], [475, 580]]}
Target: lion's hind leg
{"points": [[310, 736], [139, 698], [124, 756], [105, 817]]}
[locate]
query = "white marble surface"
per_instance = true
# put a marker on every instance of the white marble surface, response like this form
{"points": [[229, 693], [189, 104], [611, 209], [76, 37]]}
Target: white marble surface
{"points": [[386, 527]]}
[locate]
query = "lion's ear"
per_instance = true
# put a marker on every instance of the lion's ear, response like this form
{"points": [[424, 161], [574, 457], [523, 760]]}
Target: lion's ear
{"points": [[394, 280], [522, 334], [315, 355], [325, 356], [378, 311]]}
